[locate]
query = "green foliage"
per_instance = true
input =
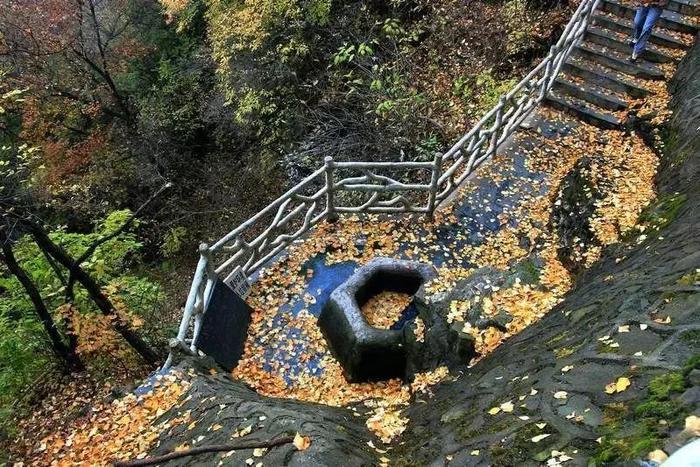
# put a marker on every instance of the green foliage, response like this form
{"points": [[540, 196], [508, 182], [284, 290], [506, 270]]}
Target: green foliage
{"points": [[318, 11], [491, 89], [462, 89], [171, 109], [173, 241], [520, 24], [658, 215], [428, 147], [24, 348], [16, 158], [22, 360], [481, 92]]}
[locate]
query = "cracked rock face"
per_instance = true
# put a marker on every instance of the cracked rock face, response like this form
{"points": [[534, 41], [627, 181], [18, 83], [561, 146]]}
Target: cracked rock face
{"points": [[368, 353]]}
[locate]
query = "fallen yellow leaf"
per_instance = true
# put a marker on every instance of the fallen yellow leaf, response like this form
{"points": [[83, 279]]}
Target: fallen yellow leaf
{"points": [[507, 407], [657, 456], [622, 384], [301, 442], [692, 425]]}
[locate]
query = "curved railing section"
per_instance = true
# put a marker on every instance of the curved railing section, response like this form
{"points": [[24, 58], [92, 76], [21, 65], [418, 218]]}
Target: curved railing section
{"points": [[369, 187]]}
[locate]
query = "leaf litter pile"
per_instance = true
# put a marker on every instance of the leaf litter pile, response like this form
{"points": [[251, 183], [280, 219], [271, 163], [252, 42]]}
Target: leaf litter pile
{"points": [[122, 429], [384, 309], [286, 355]]}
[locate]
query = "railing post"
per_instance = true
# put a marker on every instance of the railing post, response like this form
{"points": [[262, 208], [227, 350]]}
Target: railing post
{"points": [[189, 310], [434, 179], [330, 191], [202, 294]]}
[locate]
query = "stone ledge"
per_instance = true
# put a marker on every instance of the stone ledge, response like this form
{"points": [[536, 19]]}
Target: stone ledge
{"points": [[367, 353]]}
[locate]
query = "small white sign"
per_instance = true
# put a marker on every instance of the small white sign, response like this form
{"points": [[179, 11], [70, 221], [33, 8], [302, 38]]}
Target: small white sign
{"points": [[238, 282]]}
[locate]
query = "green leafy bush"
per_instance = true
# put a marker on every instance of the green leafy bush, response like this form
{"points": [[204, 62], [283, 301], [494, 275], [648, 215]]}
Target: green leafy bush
{"points": [[24, 348]]}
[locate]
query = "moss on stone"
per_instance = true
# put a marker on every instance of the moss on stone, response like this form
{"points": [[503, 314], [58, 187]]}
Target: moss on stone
{"points": [[627, 438], [662, 386], [462, 425], [607, 348], [528, 271], [519, 449], [563, 352], [658, 215], [557, 338], [691, 278]]}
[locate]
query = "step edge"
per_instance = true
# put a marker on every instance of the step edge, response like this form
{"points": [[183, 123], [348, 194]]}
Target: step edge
{"points": [[612, 98]]}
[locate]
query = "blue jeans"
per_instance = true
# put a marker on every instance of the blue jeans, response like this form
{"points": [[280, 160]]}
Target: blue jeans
{"points": [[644, 22]]}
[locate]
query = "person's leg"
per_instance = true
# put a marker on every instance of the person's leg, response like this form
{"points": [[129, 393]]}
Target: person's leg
{"points": [[651, 18], [639, 19]]}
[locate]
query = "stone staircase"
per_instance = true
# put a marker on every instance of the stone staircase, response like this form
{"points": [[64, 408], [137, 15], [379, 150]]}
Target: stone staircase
{"points": [[599, 83]]}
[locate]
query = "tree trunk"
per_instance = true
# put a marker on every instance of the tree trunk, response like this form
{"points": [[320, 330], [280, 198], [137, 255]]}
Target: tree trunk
{"points": [[64, 352], [94, 291]]}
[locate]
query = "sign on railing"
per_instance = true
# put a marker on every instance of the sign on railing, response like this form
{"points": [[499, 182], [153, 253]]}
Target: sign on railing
{"points": [[371, 187]]}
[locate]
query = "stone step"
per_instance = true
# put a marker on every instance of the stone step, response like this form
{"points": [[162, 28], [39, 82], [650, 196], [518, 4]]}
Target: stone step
{"points": [[669, 19], [615, 23], [580, 110], [608, 58], [599, 97], [610, 40], [684, 7], [604, 78]]}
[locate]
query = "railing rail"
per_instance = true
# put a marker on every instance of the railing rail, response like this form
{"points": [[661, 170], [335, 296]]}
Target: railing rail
{"points": [[381, 188]]}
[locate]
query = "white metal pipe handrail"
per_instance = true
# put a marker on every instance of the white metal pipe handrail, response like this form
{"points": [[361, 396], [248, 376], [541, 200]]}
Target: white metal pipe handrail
{"points": [[297, 211]]}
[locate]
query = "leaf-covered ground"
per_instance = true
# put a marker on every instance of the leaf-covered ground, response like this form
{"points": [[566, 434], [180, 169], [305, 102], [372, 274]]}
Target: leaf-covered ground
{"points": [[501, 219]]}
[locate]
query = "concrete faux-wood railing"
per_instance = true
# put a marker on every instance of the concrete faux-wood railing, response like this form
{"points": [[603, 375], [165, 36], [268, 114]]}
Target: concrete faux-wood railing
{"points": [[383, 187]]}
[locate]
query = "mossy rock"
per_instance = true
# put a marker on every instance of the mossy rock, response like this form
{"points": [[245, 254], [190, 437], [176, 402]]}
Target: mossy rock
{"points": [[631, 431]]}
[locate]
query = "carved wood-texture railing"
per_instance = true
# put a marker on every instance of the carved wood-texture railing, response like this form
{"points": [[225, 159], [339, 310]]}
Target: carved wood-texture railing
{"points": [[371, 187]]}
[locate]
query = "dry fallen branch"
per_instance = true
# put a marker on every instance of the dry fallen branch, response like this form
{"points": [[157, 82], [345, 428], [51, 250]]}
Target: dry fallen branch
{"points": [[206, 449]]}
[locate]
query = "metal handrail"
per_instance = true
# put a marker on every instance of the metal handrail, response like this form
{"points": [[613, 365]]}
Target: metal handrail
{"points": [[316, 199]]}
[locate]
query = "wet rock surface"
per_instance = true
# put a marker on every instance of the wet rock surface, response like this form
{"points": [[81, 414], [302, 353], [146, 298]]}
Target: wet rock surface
{"points": [[572, 212]]}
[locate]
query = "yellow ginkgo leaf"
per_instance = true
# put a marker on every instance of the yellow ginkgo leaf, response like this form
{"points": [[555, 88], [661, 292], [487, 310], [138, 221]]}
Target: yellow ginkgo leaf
{"points": [[657, 456], [507, 407], [622, 384], [494, 410], [301, 442], [692, 425]]}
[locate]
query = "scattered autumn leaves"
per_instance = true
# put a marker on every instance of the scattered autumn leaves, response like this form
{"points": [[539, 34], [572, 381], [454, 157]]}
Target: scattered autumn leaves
{"points": [[127, 427], [123, 429], [627, 169]]}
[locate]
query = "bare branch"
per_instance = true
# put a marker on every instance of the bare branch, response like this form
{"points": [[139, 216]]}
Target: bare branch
{"points": [[206, 449]]}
